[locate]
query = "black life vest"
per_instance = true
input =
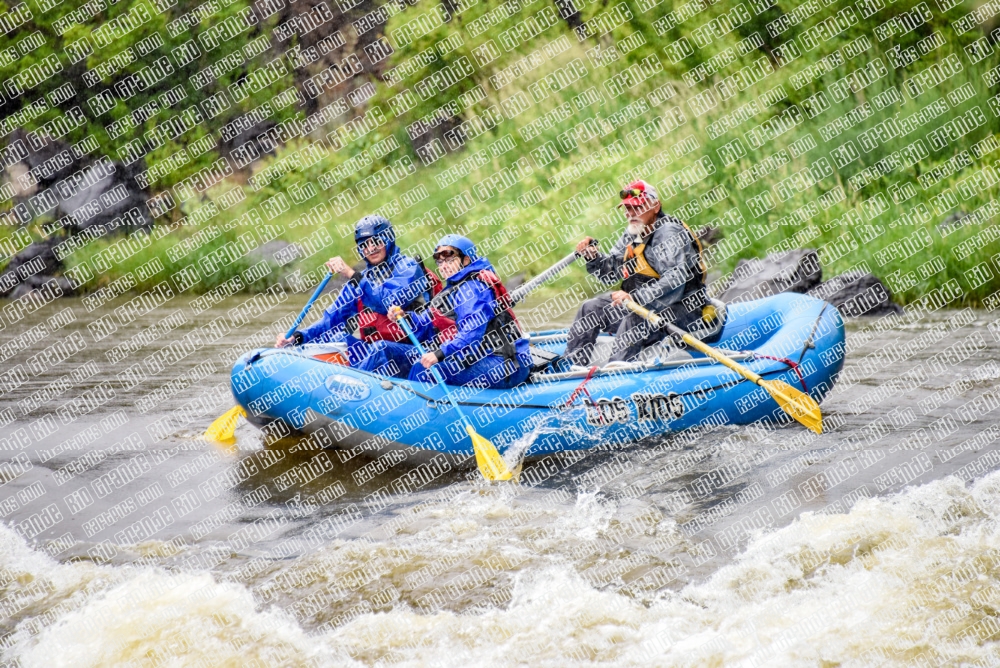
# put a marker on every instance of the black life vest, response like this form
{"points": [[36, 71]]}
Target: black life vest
{"points": [[502, 329], [637, 272]]}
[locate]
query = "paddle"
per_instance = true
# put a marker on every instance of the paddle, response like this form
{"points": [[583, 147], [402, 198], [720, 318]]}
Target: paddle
{"points": [[224, 427], [798, 404], [519, 293], [488, 459]]}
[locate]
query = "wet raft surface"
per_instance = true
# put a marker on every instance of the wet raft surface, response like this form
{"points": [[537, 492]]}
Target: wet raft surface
{"points": [[128, 539]]}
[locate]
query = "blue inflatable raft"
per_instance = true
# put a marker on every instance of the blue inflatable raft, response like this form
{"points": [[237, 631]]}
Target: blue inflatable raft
{"points": [[791, 337]]}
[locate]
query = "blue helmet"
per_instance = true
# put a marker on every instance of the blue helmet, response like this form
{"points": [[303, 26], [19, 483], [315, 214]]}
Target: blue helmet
{"points": [[463, 244], [374, 226]]}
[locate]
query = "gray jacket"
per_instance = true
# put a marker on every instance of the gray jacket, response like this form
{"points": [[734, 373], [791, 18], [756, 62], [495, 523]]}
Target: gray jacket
{"points": [[679, 293]]}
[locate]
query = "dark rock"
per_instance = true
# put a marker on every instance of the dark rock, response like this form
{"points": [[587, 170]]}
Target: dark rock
{"points": [[37, 260], [38, 253], [954, 221], [338, 281], [67, 286], [19, 291], [709, 235], [514, 281], [795, 270], [33, 283], [277, 251], [106, 191], [102, 193], [249, 146], [98, 202], [40, 150], [955, 218], [856, 294]]}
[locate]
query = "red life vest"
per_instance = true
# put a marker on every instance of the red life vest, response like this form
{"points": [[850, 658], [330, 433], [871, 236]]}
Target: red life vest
{"points": [[374, 326], [504, 319]]}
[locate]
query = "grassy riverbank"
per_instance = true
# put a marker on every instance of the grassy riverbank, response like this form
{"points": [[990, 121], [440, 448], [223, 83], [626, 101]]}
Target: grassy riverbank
{"points": [[548, 171]]}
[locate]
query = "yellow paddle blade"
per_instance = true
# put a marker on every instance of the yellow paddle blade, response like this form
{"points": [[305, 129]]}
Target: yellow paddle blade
{"points": [[796, 403], [224, 427], [488, 459]]}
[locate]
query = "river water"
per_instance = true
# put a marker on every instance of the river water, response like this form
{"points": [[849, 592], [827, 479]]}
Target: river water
{"points": [[127, 540]]}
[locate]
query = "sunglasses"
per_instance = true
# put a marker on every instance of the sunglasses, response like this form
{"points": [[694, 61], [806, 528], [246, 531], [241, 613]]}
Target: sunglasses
{"points": [[632, 192], [369, 245], [441, 256]]}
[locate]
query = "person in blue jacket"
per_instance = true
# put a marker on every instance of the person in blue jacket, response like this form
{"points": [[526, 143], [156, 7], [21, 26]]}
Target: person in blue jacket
{"points": [[358, 314], [472, 327]]}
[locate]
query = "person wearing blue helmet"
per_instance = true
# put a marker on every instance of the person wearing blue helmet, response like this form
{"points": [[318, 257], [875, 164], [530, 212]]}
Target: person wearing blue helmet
{"points": [[474, 334], [358, 314]]}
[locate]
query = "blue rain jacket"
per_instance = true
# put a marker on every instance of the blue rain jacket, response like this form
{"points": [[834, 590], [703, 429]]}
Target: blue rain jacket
{"points": [[474, 302], [396, 281]]}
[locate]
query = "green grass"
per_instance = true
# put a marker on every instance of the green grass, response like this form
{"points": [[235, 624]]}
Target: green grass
{"points": [[544, 221]]}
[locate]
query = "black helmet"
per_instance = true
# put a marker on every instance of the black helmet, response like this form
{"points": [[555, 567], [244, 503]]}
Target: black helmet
{"points": [[374, 226]]}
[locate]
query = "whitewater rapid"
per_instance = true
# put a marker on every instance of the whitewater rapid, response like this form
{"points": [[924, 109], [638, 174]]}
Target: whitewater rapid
{"points": [[901, 580]]}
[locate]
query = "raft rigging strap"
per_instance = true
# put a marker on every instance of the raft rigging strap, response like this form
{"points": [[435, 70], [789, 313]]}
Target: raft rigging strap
{"points": [[793, 365], [809, 339], [582, 387]]}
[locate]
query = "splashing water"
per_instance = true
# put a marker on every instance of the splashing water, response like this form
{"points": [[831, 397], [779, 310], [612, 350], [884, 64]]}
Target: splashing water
{"points": [[900, 580]]}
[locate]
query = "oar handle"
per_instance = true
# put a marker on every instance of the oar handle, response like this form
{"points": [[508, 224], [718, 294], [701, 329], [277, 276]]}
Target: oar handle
{"points": [[701, 347], [434, 372], [312, 300], [519, 293]]}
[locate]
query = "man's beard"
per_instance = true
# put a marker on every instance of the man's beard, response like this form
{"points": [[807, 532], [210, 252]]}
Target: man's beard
{"points": [[634, 229]]}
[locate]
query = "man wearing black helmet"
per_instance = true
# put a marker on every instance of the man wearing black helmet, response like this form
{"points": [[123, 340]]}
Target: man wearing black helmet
{"points": [[359, 312], [659, 263]]}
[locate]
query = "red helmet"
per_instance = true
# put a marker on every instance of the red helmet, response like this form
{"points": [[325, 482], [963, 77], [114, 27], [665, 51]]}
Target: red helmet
{"points": [[638, 193]]}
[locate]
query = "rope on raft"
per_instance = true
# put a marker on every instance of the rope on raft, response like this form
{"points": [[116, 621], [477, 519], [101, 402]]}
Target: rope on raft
{"points": [[582, 387], [793, 365]]}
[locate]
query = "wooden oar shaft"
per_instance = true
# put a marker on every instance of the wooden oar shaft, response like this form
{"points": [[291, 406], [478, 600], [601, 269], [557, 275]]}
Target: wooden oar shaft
{"points": [[693, 342], [799, 405]]}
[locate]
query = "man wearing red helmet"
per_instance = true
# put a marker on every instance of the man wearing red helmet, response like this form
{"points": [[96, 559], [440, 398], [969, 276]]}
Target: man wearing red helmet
{"points": [[658, 262]]}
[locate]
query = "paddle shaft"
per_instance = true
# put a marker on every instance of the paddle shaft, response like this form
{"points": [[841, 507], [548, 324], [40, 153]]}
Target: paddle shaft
{"points": [[519, 293], [433, 369], [799, 405], [312, 300], [657, 321]]}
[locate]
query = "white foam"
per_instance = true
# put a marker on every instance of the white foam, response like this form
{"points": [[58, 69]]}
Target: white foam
{"points": [[897, 580], [180, 619]]}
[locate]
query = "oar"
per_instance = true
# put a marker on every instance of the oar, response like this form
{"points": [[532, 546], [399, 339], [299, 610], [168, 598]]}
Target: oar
{"points": [[798, 404], [491, 464], [224, 427], [519, 293]]}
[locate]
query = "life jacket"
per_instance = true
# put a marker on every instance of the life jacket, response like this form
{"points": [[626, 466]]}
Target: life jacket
{"points": [[637, 272], [375, 326], [502, 328]]}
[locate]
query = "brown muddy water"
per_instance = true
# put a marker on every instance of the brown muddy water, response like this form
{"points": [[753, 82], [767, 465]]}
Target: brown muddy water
{"points": [[873, 544]]}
